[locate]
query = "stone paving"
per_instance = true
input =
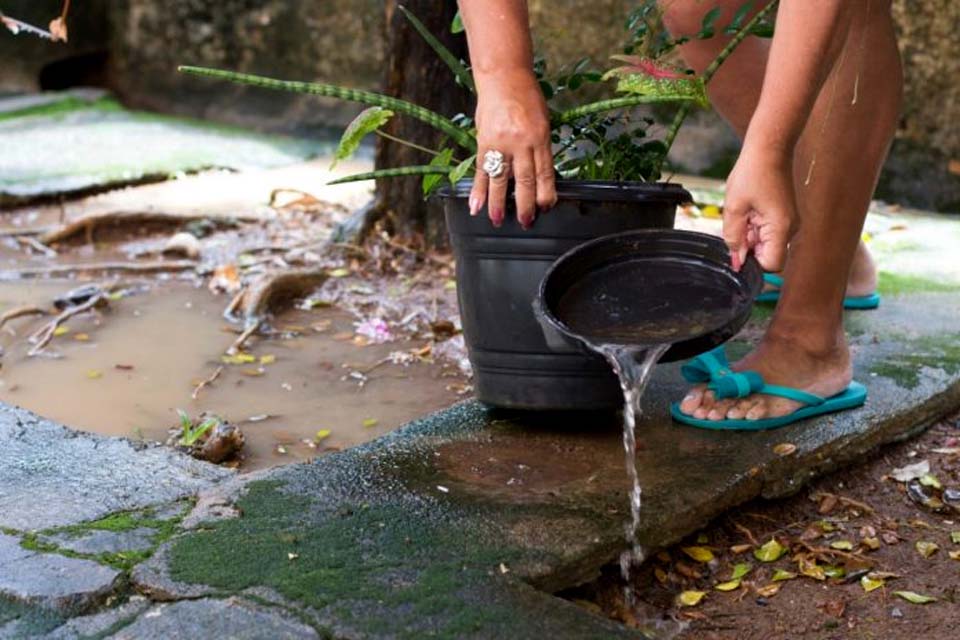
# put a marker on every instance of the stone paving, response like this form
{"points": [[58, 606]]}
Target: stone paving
{"points": [[462, 524]]}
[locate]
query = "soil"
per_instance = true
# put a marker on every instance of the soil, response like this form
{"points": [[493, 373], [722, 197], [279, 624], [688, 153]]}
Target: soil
{"points": [[862, 506]]}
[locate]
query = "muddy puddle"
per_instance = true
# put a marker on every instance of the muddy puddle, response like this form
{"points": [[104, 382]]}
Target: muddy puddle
{"points": [[127, 369]]}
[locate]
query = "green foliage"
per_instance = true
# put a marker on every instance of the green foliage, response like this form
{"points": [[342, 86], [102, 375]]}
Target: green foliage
{"points": [[601, 140], [190, 433], [459, 69], [367, 122]]}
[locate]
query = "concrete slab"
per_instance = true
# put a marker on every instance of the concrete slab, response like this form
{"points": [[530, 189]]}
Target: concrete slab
{"points": [[444, 526], [52, 476], [93, 147]]}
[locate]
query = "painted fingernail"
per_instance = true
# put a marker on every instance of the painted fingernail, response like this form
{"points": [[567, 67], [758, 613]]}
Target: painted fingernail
{"points": [[526, 224], [474, 208], [496, 216]]}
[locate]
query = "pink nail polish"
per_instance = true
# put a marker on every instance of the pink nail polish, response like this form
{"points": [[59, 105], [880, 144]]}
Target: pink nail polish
{"points": [[496, 217]]}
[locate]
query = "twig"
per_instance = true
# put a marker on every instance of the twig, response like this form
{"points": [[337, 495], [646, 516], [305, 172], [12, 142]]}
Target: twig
{"points": [[207, 382], [36, 245], [25, 231], [850, 502], [825, 551], [42, 338], [742, 529], [130, 267], [237, 345], [230, 313], [19, 312]]}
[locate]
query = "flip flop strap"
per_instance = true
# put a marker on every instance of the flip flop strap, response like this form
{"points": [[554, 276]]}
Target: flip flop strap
{"points": [[714, 369], [773, 280]]}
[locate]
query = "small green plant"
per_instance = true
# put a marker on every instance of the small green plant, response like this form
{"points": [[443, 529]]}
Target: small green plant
{"points": [[190, 434], [598, 140]]}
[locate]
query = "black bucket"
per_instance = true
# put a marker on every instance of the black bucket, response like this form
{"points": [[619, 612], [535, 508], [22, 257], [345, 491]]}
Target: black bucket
{"points": [[646, 288], [498, 277]]}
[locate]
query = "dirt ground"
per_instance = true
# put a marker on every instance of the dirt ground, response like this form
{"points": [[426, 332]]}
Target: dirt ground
{"points": [[854, 530]]}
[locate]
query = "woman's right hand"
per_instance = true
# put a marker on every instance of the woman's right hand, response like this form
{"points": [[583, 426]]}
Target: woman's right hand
{"points": [[512, 118]]}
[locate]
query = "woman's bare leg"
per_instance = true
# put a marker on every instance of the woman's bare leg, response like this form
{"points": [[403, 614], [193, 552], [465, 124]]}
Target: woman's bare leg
{"points": [[846, 141], [735, 92]]}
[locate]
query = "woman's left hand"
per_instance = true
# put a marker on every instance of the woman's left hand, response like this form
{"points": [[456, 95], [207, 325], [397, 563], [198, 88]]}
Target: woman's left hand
{"points": [[760, 212]]}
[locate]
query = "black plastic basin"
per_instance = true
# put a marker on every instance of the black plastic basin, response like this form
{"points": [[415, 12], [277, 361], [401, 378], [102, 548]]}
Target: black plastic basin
{"points": [[645, 288], [498, 277]]}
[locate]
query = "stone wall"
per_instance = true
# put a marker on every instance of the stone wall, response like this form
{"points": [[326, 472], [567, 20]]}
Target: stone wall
{"points": [[340, 41]]}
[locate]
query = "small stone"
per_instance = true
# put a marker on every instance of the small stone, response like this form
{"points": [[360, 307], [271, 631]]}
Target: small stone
{"points": [[896, 613], [96, 541]]}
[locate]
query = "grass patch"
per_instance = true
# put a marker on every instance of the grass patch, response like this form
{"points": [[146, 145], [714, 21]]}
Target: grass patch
{"points": [[894, 284]]}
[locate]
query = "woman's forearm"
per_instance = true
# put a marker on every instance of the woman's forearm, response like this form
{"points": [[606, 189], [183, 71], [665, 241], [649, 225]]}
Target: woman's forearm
{"points": [[498, 33], [809, 38]]}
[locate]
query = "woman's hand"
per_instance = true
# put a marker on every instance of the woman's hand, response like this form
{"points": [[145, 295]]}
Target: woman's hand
{"points": [[760, 212], [512, 118]]}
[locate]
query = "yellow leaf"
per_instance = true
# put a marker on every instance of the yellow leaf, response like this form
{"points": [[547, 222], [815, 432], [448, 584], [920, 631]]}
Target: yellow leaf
{"points": [[239, 358], [268, 359], [370, 422], [930, 480], [712, 211], [93, 374], [870, 584], [871, 543], [61, 331], [339, 273], [660, 575], [252, 373], [81, 337], [915, 598], [842, 545], [770, 551], [866, 237], [728, 586], [927, 549], [769, 591], [691, 598], [700, 554], [450, 285], [955, 537], [322, 435], [740, 570], [785, 449], [811, 569], [834, 572], [781, 574], [955, 555]]}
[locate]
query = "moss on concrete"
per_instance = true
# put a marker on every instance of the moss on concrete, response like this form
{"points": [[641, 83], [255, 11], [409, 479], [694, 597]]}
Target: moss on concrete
{"points": [[357, 557], [934, 352], [69, 104]]}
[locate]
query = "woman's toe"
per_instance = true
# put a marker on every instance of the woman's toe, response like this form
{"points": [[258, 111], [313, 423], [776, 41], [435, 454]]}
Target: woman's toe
{"points": [[692, 401], [720, 409], [706, 404], [740, 410], [758, 411]]}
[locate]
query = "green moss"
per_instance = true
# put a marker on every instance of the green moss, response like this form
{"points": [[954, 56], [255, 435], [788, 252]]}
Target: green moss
{"points": [[937, 352], [356, 559], [896, 284], [69, 104], [32, 622]]}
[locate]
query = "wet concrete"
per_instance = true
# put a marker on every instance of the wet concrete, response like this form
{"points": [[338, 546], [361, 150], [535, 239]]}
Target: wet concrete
{"points": [[87, 147], [485, 502]]}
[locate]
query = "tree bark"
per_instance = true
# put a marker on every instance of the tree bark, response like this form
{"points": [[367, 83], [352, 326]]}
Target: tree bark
{"points": [[415, 73]]}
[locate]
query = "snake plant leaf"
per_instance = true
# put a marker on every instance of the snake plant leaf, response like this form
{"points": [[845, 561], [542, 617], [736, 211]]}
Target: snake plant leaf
{"points": [[657, 81], [367, 122], [463, 76], [398, 172], [440, 161]]}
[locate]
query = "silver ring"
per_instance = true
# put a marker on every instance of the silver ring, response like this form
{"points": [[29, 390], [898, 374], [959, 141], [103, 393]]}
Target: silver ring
{"points": [[493, 164]]}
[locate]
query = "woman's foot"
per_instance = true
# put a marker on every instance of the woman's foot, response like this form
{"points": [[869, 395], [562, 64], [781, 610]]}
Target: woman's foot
{"points": [[863, 275], [782, 359]]}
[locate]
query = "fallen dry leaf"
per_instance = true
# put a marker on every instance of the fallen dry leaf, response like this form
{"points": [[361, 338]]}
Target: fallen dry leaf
{"points": [[785, 449]]}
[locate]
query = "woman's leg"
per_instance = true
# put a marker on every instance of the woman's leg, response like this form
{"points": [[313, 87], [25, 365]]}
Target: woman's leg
{"points": [[838, 162], [735, 91]]}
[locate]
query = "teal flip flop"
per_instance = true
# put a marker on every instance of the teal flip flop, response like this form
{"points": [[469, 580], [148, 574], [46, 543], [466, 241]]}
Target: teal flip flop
{"points": [[871, 301], [714, 369]]}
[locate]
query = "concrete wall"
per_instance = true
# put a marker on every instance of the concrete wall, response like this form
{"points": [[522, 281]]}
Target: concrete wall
{"points": [[341, 41]]}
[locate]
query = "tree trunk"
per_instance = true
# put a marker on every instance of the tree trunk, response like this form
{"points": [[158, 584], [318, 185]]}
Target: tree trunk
{"points": [[415, 73]]}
